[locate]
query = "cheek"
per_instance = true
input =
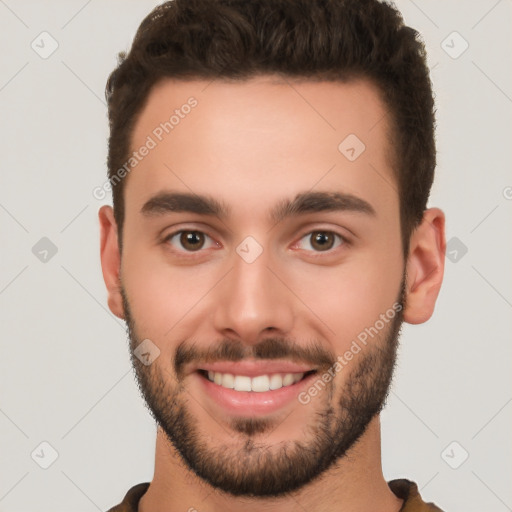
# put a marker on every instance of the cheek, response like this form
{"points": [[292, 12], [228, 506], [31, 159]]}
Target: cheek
{"points": [[161, 296], [351, 297]]}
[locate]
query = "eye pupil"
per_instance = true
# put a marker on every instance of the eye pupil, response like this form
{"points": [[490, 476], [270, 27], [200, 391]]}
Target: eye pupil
{"points": [[190, 239], [321, 240]]}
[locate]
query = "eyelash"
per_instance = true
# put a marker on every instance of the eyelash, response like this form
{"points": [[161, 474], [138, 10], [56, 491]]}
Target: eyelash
{"points": [[191, 254]]}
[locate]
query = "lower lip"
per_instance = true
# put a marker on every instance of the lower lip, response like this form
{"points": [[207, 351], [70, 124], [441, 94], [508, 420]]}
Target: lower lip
{"points": [[252, 403]]}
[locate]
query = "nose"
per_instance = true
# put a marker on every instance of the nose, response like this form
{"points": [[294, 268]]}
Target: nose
{"points": [[253, 301]]}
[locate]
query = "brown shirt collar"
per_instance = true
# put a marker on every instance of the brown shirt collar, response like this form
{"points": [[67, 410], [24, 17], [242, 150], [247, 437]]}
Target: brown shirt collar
{"points": [[402, 488]]}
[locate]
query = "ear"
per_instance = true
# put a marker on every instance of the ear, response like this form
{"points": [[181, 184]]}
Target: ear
{"points": [[111, 260], [425, 267]]}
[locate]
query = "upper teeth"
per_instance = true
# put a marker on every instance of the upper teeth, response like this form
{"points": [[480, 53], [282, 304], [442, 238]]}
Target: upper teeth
{"points": [[260, 383]]}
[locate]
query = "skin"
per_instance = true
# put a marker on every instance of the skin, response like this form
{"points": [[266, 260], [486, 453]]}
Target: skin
{"points": [[251, 145]]}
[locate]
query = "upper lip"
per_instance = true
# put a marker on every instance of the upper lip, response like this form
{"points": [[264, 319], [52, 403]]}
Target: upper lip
{"points": [[254, 368]]}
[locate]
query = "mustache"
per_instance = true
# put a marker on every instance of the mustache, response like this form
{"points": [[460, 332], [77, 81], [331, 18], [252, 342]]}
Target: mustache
{"points": [[270, 348]]}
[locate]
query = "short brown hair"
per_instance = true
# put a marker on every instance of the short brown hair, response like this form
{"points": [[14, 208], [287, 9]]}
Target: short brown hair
{"points": [[337, 40]]}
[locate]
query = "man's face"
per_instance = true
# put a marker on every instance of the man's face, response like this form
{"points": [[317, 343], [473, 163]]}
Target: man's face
{"points": [[257, 300]]}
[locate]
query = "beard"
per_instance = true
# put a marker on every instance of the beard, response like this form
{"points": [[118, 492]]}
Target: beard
{"points": [[254, 468]]}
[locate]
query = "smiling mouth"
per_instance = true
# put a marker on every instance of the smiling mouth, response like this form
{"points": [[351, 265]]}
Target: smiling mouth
{"points": [[258, 384]]}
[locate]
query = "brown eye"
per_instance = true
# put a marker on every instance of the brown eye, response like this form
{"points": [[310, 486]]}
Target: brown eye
{"points": [[189, 241], [321, 241], [192, 240]]}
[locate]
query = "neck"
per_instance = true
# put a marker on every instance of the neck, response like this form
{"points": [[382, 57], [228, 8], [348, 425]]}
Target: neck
{"points": [[355, 484]]}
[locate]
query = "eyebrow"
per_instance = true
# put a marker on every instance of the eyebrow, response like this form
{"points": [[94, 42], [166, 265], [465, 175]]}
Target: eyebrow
{"points": [[303, 203]]}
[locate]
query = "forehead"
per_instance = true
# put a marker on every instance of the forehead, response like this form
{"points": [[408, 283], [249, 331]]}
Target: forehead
{"points": [[261, 137]]}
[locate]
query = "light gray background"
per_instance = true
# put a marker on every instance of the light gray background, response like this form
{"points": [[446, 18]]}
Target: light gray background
{"points": [[65, 373]]}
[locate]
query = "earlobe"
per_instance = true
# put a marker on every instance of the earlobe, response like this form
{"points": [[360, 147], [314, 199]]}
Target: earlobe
{"points": [[425, 267], [111, 260]]}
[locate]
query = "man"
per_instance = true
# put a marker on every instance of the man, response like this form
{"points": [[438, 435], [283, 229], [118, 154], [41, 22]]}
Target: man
{"points": [[270, 163]]}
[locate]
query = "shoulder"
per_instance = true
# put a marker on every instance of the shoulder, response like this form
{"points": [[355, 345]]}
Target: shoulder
{"points": [[408, 491], [131, 500]]}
